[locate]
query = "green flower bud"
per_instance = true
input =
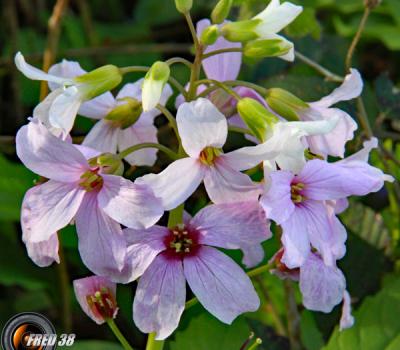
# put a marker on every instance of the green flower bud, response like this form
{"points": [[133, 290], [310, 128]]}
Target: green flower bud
{"points": [[241, 31], [183, 6], [266, 48], [126, 114], [221, 11], [110, 164], [285, 103], [209, 35], [256, 117], [98, 81], [153, 84]]}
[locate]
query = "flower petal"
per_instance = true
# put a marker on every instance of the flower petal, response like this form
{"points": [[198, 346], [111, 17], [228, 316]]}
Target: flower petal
{"points": [[143, 247], [222, 67], [134, 135], [277, 202], [346, 320], [98, 107], [221, 225], [166, 186], [65, 69], [44, 253], [201, 124], [102, 245], [220, 284], [130, 204], [64, 109], [33, 73], [48, 208], [351, 88], [322, 286], [226, 185], [160, 297], [102, 137], [47, 155]]}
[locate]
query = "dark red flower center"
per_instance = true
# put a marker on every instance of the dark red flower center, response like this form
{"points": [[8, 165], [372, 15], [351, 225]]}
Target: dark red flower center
{"points": [[102, 303], [181, 241], [91, 180]]}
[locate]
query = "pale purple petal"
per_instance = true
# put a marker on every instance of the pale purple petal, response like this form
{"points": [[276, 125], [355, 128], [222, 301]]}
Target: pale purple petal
{"points": [[222, 67], [102, 245], [98, 107], [222, 225], [226, 185], [48, 208], [200, 125], [132, 205], [143, 246], [346, 320], [135, 134], [87, 152], [220, 284], [160, 297], [103, 137], [277, 202], [44, 253], [295, 239], [175, 183], [65, 69], [338, 232], [47, 155], [85, 287], [350, 88], [322, 286], [252, 255]]}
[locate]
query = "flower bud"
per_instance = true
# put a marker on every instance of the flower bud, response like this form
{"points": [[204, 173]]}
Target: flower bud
{"points": [[98, 81], [125, 114], [266, 48], [241, 31], [256, 117], [183, 6], [221, 11], [285, 103], [209, 35], [153, 84], [96, 296]]}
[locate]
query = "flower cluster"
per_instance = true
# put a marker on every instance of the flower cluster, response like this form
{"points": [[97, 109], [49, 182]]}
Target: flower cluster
{"points": [[116, 219]]}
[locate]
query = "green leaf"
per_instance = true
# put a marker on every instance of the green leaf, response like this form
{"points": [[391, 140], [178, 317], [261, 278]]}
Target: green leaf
{"points": [[95, 345], [311, 336], [376, 327], [205, 332]]}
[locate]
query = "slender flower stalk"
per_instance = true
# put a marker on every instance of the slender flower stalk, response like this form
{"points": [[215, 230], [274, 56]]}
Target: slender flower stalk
{"points": [[140, 146], [114, 328]]}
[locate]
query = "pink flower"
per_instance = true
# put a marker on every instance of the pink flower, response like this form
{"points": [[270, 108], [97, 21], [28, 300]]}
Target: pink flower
{"points": [[334, 142], [96, 296], [169, 257], [203, 131], [299, 204], [107, 136], [98, 202]]}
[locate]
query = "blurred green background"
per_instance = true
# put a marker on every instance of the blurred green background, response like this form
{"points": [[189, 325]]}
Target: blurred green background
{"points": [[138, 32]]}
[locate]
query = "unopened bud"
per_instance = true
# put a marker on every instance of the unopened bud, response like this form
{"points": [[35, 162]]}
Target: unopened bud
{"points": [[110, 164], [371, 4], [99, 81], [125, 114], [241, 31], [256, 117], [209, 35], [221, 11], [183, 6], [153, 84], [267, 48], [285, 103]]}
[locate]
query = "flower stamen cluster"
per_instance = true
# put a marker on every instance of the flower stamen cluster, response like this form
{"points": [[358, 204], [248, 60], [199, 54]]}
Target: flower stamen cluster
{"points": [[296, 192], [102, 303]]}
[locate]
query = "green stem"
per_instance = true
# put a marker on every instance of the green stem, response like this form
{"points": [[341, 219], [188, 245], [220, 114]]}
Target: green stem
{"points": [[317, 67], [63, 275], [118, 334], [261, 90], [153, 344], [221, 85], [170, 118], [175, 60], [192, 30], [255, 345], [218, 52], [140, 146]]}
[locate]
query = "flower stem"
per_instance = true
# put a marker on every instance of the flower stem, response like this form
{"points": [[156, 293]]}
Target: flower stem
{"points": [[140, 146], [255, 345], [118, 334], [175, 60], [153, 344], [261, 90], [63, 275], [192, 30], [221, 86], [217, 52], [317, 67]]}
